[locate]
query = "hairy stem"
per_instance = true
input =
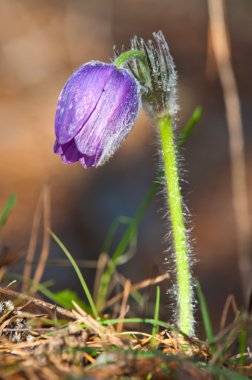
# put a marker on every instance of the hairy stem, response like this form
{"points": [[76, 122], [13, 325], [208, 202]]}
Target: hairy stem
{"points": [[128, 56], [184, 315]]}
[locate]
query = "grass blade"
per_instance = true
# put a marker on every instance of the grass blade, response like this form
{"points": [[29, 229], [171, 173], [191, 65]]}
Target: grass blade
{"points": [[242, 340], [149, 321], [196, 116], [205, 316], [78, 272], [112, 231], [7, 208], [156, 315]]}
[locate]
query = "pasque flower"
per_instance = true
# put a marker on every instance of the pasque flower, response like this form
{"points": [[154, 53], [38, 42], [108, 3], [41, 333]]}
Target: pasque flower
{"points": [[96, 110]]}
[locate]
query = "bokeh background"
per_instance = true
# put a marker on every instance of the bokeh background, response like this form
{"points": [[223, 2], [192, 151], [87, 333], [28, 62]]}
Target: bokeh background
{"points": [[41, 44]]}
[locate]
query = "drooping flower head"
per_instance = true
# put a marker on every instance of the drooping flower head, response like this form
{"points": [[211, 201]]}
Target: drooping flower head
{"points": [[97, 108], [158, 77], [99, 103]]}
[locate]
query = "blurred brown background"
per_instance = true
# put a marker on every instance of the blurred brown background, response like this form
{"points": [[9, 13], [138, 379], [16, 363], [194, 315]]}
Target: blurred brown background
{"points": [[42, 42]]}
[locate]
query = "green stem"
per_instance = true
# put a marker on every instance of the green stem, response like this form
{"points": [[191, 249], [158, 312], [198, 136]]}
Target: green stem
{"points": [[184, 291], [129, 55], [132, 228]]}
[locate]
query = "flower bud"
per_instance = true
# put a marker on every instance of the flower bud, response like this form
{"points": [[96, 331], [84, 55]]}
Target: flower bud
{"points": [[97, 108], [158, 80]]}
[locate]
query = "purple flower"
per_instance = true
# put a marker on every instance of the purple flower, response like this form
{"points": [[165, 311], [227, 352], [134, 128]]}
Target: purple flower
{"points": [[96, 110]]}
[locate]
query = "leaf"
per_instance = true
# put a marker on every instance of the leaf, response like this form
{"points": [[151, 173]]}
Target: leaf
{"points": [[65, 298]]}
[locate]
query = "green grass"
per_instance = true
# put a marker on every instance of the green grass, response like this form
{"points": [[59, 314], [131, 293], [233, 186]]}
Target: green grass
{"points": [[156, 314], [78, 272], [7, 208], [117, 223], [243, 342], [206, 317], [194, 119], [149, 321]]}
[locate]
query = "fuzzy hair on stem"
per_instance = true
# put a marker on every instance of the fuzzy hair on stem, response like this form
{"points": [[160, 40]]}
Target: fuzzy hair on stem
{"points": [[183, 290]]}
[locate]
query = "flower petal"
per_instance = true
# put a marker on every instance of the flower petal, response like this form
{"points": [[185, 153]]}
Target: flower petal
{"points": [[87, 161], [69, 152], [111, 120], [79, 98]]}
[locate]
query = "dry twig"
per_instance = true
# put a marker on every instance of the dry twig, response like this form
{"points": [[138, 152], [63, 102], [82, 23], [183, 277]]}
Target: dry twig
{"points": [[32, 244], [219, 36], [63, 313], [123, 310], [46, 238], [230, 303], [140, 285]]}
